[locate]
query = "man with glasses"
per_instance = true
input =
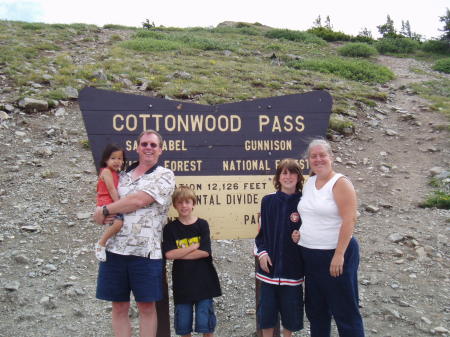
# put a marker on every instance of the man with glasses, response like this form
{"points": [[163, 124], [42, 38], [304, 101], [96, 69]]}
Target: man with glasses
{"points": [[134, 259]]}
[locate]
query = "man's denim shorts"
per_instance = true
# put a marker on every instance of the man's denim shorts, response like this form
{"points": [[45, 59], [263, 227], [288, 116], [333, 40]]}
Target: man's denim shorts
{"points": [[121, 274], [205, 318], [286, 300]]}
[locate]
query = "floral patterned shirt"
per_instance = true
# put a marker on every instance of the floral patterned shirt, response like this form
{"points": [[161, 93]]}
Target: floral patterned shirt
{"points": [[141, 233]]}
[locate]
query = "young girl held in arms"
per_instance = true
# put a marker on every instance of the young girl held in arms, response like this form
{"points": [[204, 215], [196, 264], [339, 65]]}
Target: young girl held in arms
{"points": [[111, 163]]}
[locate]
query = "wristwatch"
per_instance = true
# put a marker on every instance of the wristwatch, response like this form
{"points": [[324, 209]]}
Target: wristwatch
{"points": [[105, 211]]}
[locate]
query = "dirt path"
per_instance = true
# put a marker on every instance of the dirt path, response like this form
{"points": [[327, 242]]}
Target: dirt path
{"points": [[404, 285]]}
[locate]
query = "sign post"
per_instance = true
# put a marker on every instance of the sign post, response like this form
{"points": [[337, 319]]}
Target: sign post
{"points": [[227, 153]]}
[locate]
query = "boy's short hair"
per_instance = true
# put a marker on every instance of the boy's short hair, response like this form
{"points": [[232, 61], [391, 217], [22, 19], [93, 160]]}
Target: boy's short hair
{"points": [[292, 166], [183, 193]]}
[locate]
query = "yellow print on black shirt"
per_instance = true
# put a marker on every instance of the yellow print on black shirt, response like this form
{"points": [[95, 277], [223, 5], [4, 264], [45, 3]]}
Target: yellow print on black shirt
{"points": [[183, 243]]}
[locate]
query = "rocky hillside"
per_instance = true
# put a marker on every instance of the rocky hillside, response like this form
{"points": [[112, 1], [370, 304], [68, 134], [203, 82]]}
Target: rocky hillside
{"points": [[47, 181]]}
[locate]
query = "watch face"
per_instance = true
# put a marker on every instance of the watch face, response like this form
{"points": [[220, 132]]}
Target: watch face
{"points": [[105, 211]]}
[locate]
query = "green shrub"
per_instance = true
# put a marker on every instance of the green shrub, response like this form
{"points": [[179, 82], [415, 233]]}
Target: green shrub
{"points": [[340, 124], [57, 94], [357, 70], [115, 38], [442, 65], [328, 34], [436, 46], [356, 49], [397, 45], [438, 199], [294, 35], [362, 38]]}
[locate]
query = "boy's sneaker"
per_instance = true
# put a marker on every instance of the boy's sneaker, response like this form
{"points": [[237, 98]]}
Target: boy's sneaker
{"points": [[100, 252]]}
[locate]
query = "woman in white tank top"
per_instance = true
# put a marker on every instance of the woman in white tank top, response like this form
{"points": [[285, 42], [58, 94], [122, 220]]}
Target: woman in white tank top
{"points": [[329, 251]]}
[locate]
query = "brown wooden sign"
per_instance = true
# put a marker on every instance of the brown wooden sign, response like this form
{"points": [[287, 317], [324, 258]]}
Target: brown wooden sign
{"points": [[227, 153]]}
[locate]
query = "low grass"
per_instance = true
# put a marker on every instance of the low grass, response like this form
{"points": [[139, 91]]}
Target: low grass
{"points": [[437, 91], [47, 45], [339, 123], [191, 41], [57, 94], [151, 45], [356, 70], [146, 40]]}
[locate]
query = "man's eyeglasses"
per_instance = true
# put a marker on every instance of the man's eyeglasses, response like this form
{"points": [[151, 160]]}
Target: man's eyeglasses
{"points": [[152, 145]]}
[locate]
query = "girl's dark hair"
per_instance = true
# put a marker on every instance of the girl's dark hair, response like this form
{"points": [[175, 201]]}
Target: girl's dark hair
{"points": [[292, 166], [109, 149]]}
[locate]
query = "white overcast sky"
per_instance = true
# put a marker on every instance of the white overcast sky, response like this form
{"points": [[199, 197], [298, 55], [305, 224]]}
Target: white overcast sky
{"points": [[348, 16]]}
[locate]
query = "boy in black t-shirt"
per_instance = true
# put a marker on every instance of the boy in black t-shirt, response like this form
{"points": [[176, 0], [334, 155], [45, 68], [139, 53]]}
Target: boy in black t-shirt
{"points": [[194, 278]]}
